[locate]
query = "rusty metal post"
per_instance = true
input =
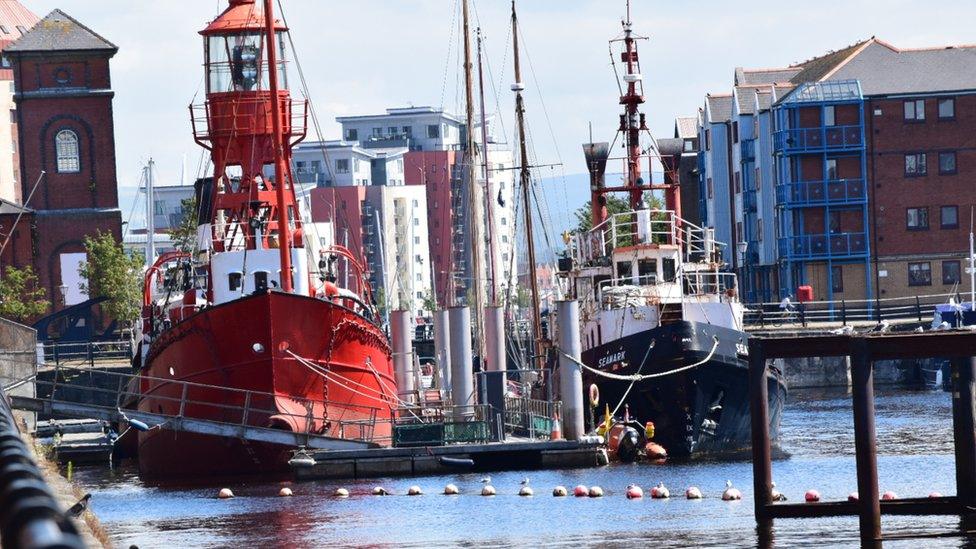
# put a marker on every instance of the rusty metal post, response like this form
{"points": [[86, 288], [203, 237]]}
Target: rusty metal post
{"points": [[865, 444], [963, 427], [762, 465]]}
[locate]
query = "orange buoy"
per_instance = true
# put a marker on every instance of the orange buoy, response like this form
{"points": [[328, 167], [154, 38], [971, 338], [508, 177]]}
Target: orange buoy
{"points": [[812, 496], [852, 496], [634, 492], [581, 491], [889, 495], [660, 492], [694, 493], [731, 493], [225, 493], [655, 452]]}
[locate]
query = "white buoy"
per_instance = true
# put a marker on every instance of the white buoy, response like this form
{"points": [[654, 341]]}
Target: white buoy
{"points": [[731, 493], [225, 493], [451, 490], [380, 491], [487, 490], [853, 496], [341, 493], [415, 491], [634, 492], [285, 492], [660, 491], [935, 495], [581, 491], [596, 492], [889, 496], [776, 495], [812, 496], [693, 493], [559, 491], [525, 491]]}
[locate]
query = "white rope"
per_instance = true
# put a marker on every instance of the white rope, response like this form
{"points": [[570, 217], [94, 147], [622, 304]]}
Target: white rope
{"points": [[638, 377]]}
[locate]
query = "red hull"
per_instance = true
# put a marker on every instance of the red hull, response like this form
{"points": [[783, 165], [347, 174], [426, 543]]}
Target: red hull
{"points": [[247, 345]]}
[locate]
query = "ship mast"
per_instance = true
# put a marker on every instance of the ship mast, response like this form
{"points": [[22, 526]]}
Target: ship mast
{"points": [[526, 182], [474, 197], [284, 231], [489, 206], [632, 122]]}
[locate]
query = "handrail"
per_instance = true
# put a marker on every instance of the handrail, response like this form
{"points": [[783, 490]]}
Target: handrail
{"points": [[911, 308]]}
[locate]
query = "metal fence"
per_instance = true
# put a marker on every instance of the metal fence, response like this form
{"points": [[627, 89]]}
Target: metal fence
{"points": [[440, 425], [915, 308], [29, 514], [531, 418], [81, 352]]}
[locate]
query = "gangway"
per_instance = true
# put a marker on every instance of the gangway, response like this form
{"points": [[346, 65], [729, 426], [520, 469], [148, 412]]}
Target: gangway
{"points": [[242, 412]]}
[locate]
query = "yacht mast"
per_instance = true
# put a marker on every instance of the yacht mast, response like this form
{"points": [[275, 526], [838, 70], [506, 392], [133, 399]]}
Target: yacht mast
{"points": [[489, 206], [526, 182]]}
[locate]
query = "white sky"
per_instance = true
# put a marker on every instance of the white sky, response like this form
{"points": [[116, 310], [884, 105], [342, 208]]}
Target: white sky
{"points": [[365, 55]]}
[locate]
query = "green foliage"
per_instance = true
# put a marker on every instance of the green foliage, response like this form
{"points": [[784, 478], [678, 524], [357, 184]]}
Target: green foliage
{"points": [[430, 301], [21, 298], [184, 235], [110, 272], [584, 222]]}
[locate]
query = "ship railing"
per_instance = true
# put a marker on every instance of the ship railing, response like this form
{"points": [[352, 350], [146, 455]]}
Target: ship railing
{"points": [[710, 283], [248, 116], [621, 293], [439, 425], [530, 417], [644, 227], [103, 392]]}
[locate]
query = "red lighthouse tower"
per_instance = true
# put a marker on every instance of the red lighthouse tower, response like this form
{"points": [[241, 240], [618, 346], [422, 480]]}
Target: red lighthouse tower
{"points": [[253, 326]]}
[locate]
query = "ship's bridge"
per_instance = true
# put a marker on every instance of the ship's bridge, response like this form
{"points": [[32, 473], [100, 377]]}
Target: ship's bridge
{"points": [[644, 229]]}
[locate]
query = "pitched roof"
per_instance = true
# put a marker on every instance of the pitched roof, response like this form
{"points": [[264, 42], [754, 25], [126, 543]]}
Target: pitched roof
{"points": [[883, 69], [745, 77], [686, 127], [60, 32], [719, 107], [14, 17], [670, 146], [746, 99], [819, 67]]}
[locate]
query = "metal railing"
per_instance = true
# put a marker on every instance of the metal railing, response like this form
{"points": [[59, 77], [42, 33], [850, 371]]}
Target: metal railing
{"points": [[246, 116], [531, 418], [642, 227], [440, 425], [81, 352], [821, 138], [817, 193], [29, 514], [909, 309], [811, 246]]}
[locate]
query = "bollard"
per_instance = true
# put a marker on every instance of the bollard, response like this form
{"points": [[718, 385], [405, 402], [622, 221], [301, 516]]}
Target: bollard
{"points": [[442, 348], [865, 444], [495, 339], [571, 375], [402, 352], [462, 372]]}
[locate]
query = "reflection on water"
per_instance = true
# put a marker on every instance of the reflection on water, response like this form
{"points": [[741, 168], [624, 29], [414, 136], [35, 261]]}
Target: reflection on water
{"points": [[915, 458]]}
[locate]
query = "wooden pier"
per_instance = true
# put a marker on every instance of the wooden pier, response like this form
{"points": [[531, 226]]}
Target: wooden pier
{"points": [[863, 351]]}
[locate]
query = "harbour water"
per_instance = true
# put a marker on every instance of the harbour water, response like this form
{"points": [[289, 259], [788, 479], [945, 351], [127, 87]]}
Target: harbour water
{"points": [[915, 458]]}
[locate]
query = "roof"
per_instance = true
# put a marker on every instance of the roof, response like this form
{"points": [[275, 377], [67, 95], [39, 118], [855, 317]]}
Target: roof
{"points": [[719, 107], [745, 77], [15, 20], [820, 67], [885, 70], [670, 146], [686, 127], [746, 99], [401, 112], [7, 207], [60, 32]]}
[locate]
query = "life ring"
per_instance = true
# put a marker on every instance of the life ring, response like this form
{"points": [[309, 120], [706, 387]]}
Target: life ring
{"points": [[594, 395]]}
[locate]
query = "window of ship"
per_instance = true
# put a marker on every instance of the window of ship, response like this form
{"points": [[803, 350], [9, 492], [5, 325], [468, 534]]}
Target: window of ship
{"points": [[625, 270], [261, 281], [647, 271], [668, 266], [234, 281]]}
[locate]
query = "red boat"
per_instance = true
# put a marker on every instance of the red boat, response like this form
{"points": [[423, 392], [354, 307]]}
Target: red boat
{"points": [[241, 343]]}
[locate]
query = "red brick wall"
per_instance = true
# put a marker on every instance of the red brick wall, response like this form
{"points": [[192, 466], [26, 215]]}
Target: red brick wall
{"points": [[18, 252], [890, 137], [65, 233], [434, 169]]}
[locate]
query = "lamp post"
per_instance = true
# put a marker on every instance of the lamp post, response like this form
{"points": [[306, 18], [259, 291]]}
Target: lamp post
{"points": [[743, 247], [64, 294]]}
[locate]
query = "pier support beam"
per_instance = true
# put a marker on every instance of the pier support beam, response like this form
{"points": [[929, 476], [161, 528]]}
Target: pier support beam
{"points": [[442, 348], [403, 354], [570, 373], [496, 358], [762, 454], [964, 428], [462, 371], [865, 444]]}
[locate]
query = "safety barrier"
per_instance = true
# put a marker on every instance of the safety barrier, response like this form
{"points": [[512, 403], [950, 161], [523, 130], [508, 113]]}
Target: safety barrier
{"points": [[81, 352], [909, 309], [29, 514]]}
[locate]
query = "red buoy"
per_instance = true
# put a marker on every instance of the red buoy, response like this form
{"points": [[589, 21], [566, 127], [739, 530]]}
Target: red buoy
{"points": [[812, 496]]}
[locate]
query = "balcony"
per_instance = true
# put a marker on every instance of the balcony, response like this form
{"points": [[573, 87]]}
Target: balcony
{"points": [[750, 201], [747, 150], [818, 139], [823, 246], [821, 193]]}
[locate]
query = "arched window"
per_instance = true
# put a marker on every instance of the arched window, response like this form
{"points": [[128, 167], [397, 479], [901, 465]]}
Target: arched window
{"points": [[69, 157]]}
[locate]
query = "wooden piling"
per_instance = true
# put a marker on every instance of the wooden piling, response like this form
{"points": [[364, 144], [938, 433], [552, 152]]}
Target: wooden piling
{"points": [[762, 467], [865, 444], [964, 428]]}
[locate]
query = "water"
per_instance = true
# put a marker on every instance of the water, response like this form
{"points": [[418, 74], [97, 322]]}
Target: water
{"points": [[915, 458]]}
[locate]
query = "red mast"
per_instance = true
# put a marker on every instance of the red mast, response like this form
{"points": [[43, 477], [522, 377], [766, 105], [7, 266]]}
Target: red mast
{"points": [[632, 121], [282, 173]]}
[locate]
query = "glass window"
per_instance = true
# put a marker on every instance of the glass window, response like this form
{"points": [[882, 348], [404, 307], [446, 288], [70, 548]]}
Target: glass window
{"points": [[950, 217], [709, 187], [668, 269], [647, 271], [352, 134], [408, 131], [920, 274], [829, 116], [947, 109], [433, 131], [915, 110], [837, 278], [234, 281], [833, 222], [831, 168], [342, 165], [918, 219], [951, 272], [738, 182], [624, 272], [237, 62], [68, 154], [377, 132], [947, 162], [158, 207], [391, 131], [915, 164]]}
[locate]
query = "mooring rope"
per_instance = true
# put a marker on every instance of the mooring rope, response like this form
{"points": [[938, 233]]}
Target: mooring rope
{"points": [[639, 377]]}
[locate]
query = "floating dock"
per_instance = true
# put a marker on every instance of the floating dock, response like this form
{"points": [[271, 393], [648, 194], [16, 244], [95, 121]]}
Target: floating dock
{"points": [[436, 460]]}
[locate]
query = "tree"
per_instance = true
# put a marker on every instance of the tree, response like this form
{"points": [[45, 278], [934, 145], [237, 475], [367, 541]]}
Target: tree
{"points": [[184, 235], [112, 273], [615, 205], [430, 301], [21, 298]]}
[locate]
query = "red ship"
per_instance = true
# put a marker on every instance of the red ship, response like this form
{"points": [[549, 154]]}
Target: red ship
{"points": [[298, 352]]}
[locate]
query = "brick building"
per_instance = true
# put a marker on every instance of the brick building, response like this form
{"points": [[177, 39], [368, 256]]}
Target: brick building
{"points": [[66, 144]]}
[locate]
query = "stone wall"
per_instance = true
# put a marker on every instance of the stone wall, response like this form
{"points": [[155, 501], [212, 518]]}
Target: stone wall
{"points": [[18, 357], [816, 372]]}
